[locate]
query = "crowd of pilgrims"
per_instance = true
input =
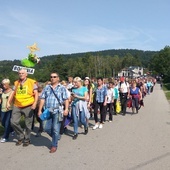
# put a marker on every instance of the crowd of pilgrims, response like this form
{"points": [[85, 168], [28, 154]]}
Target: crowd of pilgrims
{"points": [[102, 99]]}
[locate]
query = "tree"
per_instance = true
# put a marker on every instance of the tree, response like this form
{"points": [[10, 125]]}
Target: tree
{"points": [[161, 63]]}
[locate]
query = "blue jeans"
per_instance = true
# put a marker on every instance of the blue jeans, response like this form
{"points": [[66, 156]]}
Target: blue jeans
{"points": [[52, 127], [5, 118], [149, 89], [76, 119]]}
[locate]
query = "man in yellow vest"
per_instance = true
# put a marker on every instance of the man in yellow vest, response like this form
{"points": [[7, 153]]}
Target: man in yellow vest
{"points": [[25, 97]]}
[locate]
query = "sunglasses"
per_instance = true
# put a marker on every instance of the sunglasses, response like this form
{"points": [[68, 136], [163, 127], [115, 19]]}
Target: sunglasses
{"points": [[21, 87], [54, 77]]}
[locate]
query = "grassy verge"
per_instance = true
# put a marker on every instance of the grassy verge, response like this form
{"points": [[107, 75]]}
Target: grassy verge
{"points": [[167, 94], [166, 88]]}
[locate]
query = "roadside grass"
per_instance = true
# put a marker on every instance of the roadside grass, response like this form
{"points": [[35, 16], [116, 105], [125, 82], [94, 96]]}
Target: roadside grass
{"points": [[167, 94], [166, 88]]}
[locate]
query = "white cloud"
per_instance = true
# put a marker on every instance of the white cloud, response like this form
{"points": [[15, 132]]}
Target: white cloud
{"points": [[25, 28], [99, 36]]}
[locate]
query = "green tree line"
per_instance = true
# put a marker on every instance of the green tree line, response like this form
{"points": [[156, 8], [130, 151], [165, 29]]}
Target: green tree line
{"points": [[160, 63], [93, 64]]}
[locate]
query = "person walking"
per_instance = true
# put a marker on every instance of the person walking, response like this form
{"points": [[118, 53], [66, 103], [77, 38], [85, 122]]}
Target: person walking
{"points": [[54, 97], [149, 85], [6, 114], [110, 100], [25, 98], [79, 106], [88, 84], [116, 97], [40, 130], [124, 94], [136, 96], [100, 102]]}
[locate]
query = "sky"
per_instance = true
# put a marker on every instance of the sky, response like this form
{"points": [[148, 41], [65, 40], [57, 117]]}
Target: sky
{"points": [[74, 26]]}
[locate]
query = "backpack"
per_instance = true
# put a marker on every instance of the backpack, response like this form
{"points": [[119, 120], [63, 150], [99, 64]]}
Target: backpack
{"points": [[121, 83]]}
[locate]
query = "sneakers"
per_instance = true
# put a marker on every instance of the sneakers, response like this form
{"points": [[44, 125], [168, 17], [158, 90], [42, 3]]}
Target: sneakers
{"points": [[75, 136], [100, 126], [19, 142], [3, 140], [95, 127], [123, 114], [110, 120], [26, 143], [86, 131]]}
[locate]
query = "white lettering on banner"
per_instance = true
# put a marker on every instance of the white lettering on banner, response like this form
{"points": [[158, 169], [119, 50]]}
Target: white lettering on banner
{"points": [[17, 68]]}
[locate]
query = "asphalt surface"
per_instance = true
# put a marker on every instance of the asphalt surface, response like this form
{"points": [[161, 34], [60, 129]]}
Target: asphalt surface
{"points": [[140, 141]]}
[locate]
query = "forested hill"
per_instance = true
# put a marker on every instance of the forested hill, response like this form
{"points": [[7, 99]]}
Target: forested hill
{"points": [[83, 64], [144, 55]]}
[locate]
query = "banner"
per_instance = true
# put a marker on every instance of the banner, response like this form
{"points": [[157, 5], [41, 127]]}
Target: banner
{"points": [[17, 68]]}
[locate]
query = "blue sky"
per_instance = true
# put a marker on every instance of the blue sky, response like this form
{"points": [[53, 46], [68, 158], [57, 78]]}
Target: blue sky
{"points": [[72, 26]]}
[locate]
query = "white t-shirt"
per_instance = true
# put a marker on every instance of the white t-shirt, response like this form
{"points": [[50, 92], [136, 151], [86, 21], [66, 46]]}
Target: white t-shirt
{"points": [[110, 96], [124, 87], [70, 86]]}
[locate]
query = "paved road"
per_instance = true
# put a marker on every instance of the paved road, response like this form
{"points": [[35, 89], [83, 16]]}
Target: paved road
{"points": [[140, 141]]}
